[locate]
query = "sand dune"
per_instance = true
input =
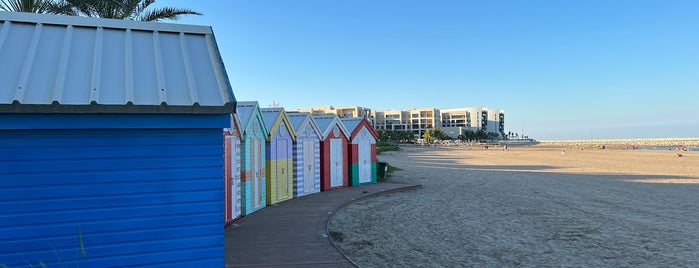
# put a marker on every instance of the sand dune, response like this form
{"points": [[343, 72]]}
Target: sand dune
{"points": [[529, 207]]}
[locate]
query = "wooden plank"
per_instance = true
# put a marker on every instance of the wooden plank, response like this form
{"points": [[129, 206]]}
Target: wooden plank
{"points": [[258, 240]]}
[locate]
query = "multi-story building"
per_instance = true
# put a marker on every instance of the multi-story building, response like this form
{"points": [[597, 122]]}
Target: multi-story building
{"points": [[317, 110], [391, 120], [352, 111], [452, 122], [424, 119], [347, 111], [496, 121]]}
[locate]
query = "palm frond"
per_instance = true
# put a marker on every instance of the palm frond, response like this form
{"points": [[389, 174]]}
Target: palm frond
{"points": [[34, 6], [170, 13], [142, 6], [128, 9], [63, 8]]}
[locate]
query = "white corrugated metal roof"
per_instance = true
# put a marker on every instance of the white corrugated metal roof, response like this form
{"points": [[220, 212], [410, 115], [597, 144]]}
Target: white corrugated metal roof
{"points": [[326, 122], [245, 110], [54, 63], [351, 123], [270, 115], [300, 121], [297, 119], [274, 118]]}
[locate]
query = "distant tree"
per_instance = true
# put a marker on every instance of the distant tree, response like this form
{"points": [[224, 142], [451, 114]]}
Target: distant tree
{"points": [[406, 136], [468, 135], [481, 134], [33, 6], [440, 135], [384, 135], [121, 9], [428, 135]]}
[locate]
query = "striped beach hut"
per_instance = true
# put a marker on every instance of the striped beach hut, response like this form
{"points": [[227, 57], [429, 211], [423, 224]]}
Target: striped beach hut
{"points": [[232, 137], [279, 153], [362, 150], [110, 143], [333, 152], [252, 157], [306, 154]]}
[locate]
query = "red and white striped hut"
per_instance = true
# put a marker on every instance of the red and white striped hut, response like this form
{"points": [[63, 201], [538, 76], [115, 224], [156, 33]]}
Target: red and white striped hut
{"points": [[362, 150], [232, 137]]}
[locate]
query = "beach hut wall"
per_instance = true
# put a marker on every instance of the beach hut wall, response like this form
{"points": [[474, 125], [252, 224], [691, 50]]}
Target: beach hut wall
{"points": [[333, 152], [232, 138], [361, 150], [110, 143], [252, 158], [279, 155], [306, 154]]}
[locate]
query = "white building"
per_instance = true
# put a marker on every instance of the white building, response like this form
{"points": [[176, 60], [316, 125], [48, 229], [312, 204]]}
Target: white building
{"points": [[424, 119], [453, 122]]}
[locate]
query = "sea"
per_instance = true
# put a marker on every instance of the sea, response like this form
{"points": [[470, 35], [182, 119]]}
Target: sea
{"points": [[693, 149]]}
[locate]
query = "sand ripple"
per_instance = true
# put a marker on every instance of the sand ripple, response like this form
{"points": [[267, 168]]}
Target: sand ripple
{"points": [[531, 208]]}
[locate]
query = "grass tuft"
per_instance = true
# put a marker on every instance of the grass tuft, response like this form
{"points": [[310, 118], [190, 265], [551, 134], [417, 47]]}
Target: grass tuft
{"points": [[383, 146]]}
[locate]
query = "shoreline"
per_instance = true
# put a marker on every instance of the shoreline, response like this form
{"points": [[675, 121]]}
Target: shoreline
{"points": [[662, 142]]}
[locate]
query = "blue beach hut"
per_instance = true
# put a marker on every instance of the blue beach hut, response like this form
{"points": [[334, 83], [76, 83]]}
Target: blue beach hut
{"points": [[252, 157], [110, 143]]}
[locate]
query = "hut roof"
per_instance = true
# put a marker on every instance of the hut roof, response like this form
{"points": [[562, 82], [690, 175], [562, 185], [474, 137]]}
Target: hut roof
{"points": [[247, 111], [70, 64], [301, 121], [353, 124], [273, 118], [326, 122]]}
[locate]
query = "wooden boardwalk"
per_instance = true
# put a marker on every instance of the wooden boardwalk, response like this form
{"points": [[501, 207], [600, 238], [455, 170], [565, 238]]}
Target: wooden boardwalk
{"points": [[294, 233]]}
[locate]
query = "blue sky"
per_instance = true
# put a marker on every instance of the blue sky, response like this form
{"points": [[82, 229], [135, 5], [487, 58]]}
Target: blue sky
{"points": [[559, 69]]}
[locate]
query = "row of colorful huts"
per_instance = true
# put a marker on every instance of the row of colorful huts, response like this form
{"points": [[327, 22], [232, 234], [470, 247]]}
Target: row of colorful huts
{"points": [[272, 156], [112, 153]]}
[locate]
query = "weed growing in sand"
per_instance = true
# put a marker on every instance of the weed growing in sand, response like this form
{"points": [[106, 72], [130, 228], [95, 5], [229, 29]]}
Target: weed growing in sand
{"points": [[383, 146]]}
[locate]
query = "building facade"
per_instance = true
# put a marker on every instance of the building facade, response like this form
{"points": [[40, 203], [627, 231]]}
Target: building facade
{"points": [[342, 112], [453, 122]]}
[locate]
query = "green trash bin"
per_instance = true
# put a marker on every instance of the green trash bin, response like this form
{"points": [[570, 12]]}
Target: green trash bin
{"points": [[381, 168]]}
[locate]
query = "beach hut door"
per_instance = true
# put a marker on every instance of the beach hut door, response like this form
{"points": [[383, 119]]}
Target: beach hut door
{"points": [[336, 168], [364, 157], [309, 165], [282, 169], [256, 179]]}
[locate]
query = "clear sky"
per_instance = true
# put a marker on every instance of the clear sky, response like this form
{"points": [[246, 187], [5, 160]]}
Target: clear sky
{"points": [[559, 69]]}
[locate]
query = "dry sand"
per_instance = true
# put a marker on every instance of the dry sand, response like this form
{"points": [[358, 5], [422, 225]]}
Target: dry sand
{"points": [[529, 207]]}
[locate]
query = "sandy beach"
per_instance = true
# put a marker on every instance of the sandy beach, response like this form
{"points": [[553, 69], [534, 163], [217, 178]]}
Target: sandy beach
{"points": [[530, 207]]}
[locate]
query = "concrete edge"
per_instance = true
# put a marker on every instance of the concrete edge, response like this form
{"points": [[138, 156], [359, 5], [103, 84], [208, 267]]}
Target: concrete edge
{"points": [[372, 195]]}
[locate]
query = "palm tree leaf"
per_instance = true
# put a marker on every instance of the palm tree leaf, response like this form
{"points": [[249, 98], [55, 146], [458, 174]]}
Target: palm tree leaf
{"points": [[166, 13], [142, 6], [35, 6], [63, 8], [128, 9]]}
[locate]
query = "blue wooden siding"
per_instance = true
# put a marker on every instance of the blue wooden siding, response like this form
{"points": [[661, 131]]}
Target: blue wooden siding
{"points": [[134, 197]]}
